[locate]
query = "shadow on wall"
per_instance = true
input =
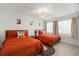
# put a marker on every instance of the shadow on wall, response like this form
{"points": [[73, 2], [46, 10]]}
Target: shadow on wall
{"points": [[2, 37]]}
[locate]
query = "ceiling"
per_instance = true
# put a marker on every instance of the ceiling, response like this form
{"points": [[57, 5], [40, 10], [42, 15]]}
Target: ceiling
{"points": [[31, 9]]}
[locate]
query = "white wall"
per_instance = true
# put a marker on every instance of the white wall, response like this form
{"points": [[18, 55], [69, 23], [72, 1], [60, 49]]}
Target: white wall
{"points": [[8, 22]]}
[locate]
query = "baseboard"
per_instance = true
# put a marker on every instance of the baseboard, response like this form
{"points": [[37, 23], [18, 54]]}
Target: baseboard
{"points": [[75, 44]]}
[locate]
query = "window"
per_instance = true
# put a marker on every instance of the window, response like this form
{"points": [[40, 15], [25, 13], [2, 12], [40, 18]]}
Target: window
{"points": [[49, 27], [64, 27]]}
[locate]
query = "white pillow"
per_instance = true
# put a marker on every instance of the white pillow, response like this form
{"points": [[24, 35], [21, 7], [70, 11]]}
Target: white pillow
{"points": [[20, 34]]}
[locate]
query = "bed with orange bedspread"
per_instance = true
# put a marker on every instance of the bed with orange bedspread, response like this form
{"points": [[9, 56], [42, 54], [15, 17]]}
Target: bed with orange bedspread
{"points": [[48, 39], [25, 46]]}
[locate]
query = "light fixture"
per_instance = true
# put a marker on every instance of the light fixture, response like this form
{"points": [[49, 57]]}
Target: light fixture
{"points": [[43, 12]]}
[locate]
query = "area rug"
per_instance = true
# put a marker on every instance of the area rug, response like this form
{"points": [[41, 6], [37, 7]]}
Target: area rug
{"points": [[48, 51]]}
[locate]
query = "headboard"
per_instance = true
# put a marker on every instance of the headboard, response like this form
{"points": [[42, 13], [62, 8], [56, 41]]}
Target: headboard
{"points": [[13, 33], [38, 32]]}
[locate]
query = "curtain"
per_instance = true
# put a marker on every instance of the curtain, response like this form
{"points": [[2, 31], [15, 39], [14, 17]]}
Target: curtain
{"points": [[45, 28], [74, 27], [55, 27]]}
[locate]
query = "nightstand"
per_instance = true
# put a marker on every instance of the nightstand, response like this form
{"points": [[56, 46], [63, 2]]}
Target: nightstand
{"points": [[33, 37]]}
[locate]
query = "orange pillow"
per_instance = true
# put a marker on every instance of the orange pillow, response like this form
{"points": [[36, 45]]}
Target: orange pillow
{"points": [[26, 33], [11, 34], [40, 32]]}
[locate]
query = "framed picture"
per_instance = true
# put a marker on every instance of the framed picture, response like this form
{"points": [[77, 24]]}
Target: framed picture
{"points": [[18, 21]]}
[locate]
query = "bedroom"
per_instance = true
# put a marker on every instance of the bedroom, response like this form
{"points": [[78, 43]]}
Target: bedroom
{"points": [[44, 17]]}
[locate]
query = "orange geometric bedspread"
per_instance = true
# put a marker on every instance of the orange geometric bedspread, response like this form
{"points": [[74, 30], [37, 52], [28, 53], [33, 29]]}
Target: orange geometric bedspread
{"points": [[25, 46]]}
